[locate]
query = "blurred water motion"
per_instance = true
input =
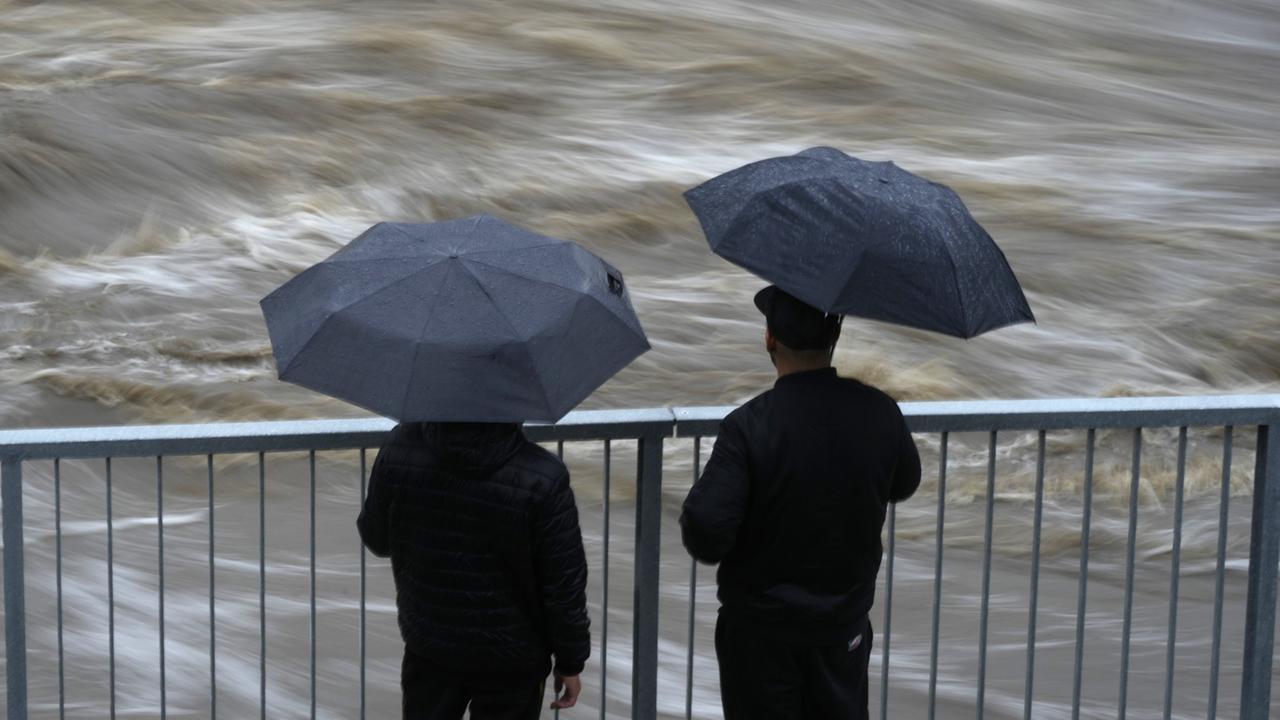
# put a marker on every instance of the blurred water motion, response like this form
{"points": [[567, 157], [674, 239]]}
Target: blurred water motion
{"points": [[164, 165]]}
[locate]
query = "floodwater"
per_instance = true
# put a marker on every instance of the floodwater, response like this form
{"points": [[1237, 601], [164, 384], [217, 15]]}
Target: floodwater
{"points": [[165, 165]]}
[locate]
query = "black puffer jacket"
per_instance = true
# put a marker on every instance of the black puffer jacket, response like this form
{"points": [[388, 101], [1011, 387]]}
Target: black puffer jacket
{"points": [[482, 531]]}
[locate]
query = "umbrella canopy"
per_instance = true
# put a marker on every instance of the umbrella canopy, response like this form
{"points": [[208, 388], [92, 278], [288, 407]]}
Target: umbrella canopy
{"points": [[470, 320], [861, 238]]}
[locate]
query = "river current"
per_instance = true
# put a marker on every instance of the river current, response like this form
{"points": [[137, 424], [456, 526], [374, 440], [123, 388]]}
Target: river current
{"points": [[163, 165]]}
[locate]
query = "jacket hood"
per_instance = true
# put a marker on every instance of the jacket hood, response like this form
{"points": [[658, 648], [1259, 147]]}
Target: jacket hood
{"points": [[481, 447]]}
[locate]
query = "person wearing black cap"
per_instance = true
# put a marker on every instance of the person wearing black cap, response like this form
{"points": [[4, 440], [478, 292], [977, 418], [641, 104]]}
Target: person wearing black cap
{"points": [[791, 505]]}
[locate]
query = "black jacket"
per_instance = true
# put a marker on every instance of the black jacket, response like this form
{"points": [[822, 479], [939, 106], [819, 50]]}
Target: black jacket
{"points": [[793, 499], [482, 531]]}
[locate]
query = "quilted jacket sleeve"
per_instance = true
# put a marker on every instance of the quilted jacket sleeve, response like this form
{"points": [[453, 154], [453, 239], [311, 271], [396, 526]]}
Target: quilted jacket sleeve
{"points": [[561, 566]]}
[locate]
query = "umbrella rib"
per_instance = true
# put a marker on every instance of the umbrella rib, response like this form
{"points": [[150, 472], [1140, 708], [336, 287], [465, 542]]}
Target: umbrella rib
{"points": [[554, 242], [557, 285], [417, 347], [432, 259], [955, 278], [357, 301], [390, 227], [509, 271], [395, 227], [955, 269], [524, 344]]}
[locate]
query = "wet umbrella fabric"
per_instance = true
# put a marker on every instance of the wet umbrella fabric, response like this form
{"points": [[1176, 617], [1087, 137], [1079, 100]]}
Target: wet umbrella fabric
{"points": [[470, 320], [861, 238]]}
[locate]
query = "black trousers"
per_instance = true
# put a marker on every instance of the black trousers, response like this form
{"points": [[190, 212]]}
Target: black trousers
{"points": [[767, 676], [433, 693]]}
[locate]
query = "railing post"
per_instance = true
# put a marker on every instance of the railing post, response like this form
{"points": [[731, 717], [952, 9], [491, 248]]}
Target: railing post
{"points": [[644, 646], [1264, 554], [15, 618]]}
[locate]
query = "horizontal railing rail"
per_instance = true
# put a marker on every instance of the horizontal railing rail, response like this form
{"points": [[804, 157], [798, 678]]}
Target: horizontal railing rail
{"points": [[1050, 414], [298, 435], [651, 428]]}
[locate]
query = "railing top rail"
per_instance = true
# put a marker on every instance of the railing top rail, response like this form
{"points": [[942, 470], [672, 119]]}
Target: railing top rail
{"points": [[1053, 413], [957, 416], [190, 439], [1080, 413], [292, 435]]}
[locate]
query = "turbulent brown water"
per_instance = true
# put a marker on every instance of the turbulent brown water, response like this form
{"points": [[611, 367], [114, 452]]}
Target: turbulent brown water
{"points": [[163, 165]]}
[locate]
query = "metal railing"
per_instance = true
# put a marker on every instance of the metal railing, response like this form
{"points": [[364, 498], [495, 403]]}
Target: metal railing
{"points": [[650, 429]]}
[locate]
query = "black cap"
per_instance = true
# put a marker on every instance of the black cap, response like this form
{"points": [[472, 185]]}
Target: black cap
{"points": [[796, 324]]}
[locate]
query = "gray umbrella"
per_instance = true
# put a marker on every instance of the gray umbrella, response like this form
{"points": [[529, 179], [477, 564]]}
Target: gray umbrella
{"points": [[466, 320], [861, 238]]}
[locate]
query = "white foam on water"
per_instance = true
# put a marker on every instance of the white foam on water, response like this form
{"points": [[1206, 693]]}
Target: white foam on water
{"points": [[167, 166]]}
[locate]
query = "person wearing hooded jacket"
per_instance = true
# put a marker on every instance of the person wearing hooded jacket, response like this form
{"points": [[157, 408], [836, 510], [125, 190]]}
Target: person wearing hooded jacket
{"points": [[490, 573], [791, 505]]}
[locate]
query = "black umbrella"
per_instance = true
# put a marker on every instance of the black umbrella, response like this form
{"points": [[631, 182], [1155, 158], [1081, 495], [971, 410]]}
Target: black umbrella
{"points": [[861, 238], [466, 320]]}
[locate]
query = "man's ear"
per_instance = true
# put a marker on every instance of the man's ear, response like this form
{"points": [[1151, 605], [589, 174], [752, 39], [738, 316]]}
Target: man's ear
{"points": [[770, 342]]}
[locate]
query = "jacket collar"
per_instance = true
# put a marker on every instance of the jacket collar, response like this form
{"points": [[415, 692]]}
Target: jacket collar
{"points": [[826, 373], [475, 446]]}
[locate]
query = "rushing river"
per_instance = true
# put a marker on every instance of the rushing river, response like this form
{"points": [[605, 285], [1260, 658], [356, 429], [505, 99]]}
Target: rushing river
{"points": [[163, 165]]}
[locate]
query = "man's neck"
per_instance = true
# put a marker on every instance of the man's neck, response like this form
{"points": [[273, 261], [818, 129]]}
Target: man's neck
{"points": [[785, 368]]}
